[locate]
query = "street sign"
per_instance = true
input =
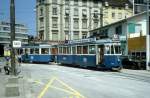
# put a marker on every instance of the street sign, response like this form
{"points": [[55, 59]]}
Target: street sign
{"points": [[16, 44]]}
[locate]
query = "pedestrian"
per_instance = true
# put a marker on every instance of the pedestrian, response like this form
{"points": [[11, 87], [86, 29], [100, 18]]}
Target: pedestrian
{"points": [[7, 67]]}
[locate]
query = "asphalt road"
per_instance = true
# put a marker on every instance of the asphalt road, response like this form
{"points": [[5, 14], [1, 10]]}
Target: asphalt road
{"points": [[54, 81]]}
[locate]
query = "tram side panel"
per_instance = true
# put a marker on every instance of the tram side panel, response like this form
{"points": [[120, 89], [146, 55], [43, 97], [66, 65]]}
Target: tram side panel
{"points": [[85, 60], [65, 59]]}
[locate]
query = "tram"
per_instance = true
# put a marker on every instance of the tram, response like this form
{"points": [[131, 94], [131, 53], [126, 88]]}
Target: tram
{"points": [[91, 53], [37, 53]]}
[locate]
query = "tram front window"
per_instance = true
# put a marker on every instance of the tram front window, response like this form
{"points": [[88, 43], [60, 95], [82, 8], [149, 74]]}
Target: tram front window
{"points": [[117, 49], [112, 49]]}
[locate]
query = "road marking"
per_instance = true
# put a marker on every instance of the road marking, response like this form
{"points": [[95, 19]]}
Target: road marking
{"points": [[68, 87], [46, 87]]}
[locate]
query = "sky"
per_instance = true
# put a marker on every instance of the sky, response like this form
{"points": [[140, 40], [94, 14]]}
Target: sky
{"points": [[25, 13]]}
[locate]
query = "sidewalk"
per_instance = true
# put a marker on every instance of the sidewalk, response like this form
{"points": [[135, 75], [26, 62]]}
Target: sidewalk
{"points": [[14, 86]]}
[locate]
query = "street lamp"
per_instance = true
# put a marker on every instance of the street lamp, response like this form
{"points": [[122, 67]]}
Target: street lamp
{"points": [[12, 28]]}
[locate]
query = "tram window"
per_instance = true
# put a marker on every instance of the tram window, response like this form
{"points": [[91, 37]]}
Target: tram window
{"points": [[60, 50], [79, 51], [67, 50], [117, 49], [73, 50], [44, 50], [32, 51], [54, 51], [64, 50], [92, 49], [112, 49], [26, 50], [107, 49], [36, 50], [143, 55], [85, 49]]}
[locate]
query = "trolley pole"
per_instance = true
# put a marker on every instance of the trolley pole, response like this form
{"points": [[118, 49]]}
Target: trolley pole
{"points": [[148, 38], [12, 28]]}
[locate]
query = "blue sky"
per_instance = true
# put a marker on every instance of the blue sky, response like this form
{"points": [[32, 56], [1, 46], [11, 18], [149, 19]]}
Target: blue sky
{"points": [[24, 13]]}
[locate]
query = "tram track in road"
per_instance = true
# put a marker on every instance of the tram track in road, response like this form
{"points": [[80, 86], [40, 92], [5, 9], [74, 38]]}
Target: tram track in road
{"points": [[133, 76]]}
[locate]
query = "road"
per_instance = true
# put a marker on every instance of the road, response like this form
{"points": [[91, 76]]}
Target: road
{"points": [[55, 81]]}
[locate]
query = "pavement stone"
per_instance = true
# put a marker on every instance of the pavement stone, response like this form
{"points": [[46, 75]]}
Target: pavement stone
{"points": [[14, 86]]}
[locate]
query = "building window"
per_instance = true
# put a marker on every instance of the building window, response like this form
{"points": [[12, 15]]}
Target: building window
{"points": [[95, 24], [75, 2], [84, 12], [76, 12], [41, 22], [95, 13], [84, 35], [66, 22], [134, 28], [67, 2], [84, 2], [41, 35], [75, 35], [95, 3], [105, 14], [76, 24], [54, 22], [6, 28], [55, 35], [54, 10], [120, 15], [67, 12], [84, 23], [41, 12], [54, 1], [66, 35], [119, 30], [113, 15], [138, 28]]}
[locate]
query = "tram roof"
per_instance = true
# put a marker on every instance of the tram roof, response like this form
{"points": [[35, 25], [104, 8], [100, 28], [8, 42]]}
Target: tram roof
{"points": [[90, 41], [36, 46]]}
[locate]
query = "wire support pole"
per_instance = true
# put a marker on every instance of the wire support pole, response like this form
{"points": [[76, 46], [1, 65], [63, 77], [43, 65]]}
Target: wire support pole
{"points": [[12, 28]]}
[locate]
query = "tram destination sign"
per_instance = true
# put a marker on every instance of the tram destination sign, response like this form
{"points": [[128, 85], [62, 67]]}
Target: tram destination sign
{"points": [[82, 41]]}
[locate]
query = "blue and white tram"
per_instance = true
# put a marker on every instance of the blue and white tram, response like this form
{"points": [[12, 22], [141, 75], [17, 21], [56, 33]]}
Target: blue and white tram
{"points": [[91, 53], [38, 53]]}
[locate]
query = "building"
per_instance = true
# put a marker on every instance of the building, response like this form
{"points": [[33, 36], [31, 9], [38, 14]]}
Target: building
{"points": [[59, 20], [131, 31], [139, 6], [21, 34]]}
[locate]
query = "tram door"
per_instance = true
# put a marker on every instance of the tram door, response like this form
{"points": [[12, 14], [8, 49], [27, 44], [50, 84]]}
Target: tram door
{"points": [[100, 54]]}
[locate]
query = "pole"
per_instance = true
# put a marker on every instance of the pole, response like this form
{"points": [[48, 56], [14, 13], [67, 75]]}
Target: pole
{"points": [[148, 40], [101, 16], [12, 28]]}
